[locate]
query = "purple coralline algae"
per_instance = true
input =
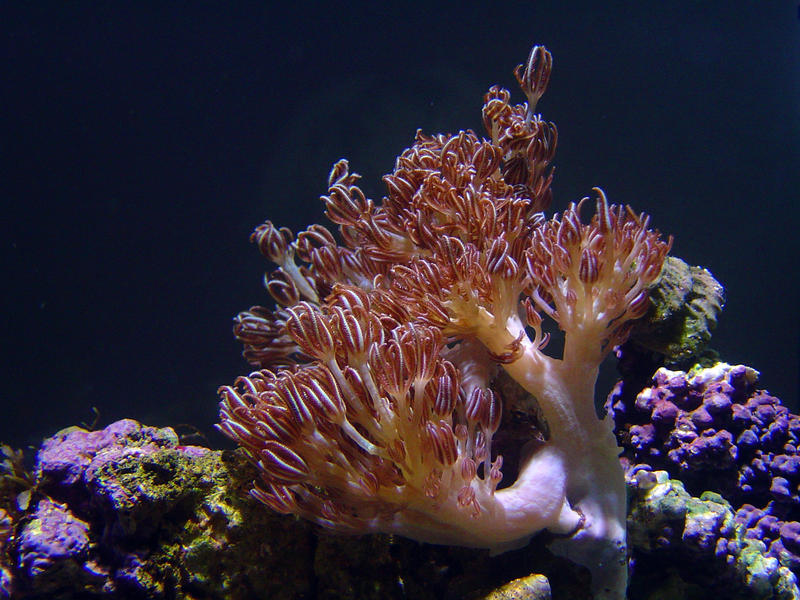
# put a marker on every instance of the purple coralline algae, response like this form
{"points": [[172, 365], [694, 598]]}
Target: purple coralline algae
{"points": [[128, 512], [712, 429], [54, 544], [685, 546]]}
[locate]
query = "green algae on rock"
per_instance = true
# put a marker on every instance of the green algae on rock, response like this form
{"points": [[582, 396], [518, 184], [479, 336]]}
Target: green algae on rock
{"points": [[686, 303]]}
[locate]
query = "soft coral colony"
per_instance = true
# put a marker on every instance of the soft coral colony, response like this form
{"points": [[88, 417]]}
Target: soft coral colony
{"points": [[376, 403]]}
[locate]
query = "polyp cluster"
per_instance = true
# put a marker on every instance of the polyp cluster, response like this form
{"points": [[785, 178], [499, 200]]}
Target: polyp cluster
{"points": [[376, 404]]}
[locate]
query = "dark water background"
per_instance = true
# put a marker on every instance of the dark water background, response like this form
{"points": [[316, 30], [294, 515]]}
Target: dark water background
{"points": [[141, 144]]}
